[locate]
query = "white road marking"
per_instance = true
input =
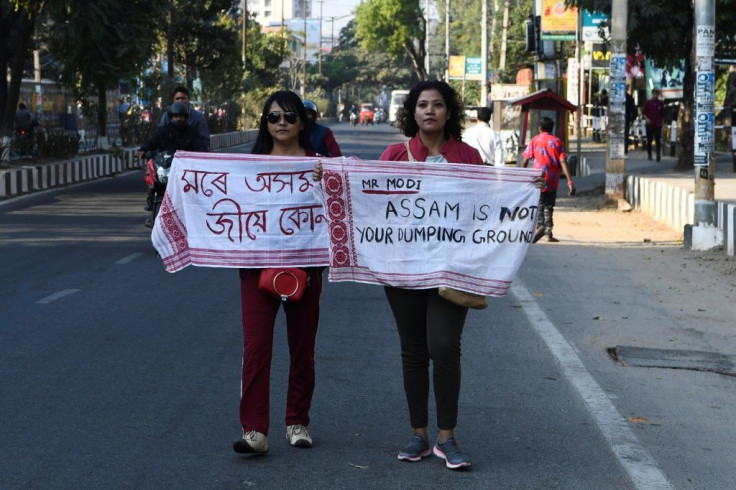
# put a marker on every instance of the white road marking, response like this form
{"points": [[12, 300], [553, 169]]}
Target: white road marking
{"points": [[129, 258], [635, 459], [55, 296]]}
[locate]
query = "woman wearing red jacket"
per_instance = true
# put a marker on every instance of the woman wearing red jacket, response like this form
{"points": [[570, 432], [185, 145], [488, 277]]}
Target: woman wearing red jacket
{"points": [[431, 327]]}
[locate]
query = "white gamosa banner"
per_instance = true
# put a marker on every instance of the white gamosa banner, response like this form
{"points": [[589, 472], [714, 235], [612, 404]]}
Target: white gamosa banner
{"points": [[424, 225], [237, 210]]}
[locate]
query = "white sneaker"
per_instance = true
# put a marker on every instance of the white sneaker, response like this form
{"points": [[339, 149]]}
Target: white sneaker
{"points": [[298, 436], [251, 442]]}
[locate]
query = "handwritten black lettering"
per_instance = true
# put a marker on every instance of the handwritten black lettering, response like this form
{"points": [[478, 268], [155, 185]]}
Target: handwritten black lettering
{"points": [[518, 212], [502, 236], [420, 208], [375, 234]]}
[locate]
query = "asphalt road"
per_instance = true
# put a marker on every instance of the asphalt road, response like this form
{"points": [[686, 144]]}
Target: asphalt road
{"points": [[116, 374]]}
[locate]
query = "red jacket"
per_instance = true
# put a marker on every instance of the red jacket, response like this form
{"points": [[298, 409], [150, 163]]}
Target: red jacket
{"points": [[454, 151]]}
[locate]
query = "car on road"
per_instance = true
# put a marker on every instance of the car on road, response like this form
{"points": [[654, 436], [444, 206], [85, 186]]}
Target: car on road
{"points": [[367, 115]]}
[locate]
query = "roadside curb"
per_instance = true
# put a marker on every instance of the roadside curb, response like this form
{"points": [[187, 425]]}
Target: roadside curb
{"points": [[35, 177], [32, 178]]}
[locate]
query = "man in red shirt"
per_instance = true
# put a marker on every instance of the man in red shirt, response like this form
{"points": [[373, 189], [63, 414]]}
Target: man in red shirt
{"points": [[653, 112], [548, 153]]}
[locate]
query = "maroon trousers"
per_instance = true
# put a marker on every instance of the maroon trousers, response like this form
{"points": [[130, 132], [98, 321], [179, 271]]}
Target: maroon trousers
{"points": [[259, 316]]}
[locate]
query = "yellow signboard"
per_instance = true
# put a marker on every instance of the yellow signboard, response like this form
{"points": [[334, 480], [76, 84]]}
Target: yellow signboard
{"points": [[559, 21], [457, 66]]}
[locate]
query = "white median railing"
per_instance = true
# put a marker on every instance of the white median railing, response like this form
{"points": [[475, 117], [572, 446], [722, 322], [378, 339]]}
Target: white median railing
{"points": [[35, 177]]}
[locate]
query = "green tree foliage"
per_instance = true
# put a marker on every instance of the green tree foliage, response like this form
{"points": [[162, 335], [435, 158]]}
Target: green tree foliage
{"points": [[17, 22], [199, 37], [101, 42], [465, 33], [663, 30], [393, 27]]}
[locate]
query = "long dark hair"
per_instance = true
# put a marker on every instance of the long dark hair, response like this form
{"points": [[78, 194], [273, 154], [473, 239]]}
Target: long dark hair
{"points": [[289, 102], [405, 117]]}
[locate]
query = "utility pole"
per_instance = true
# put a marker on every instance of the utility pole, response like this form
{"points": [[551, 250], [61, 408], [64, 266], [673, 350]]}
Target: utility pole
{"points": [[426, 37], [447, 41], [615, 159], [245, 30], [320, 36], [705, 233], [303, 88], [484, 54], [504, 35]]}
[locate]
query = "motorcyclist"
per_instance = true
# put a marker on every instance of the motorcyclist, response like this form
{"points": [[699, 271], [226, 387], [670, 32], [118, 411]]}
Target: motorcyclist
{"points": [[24, 119], [172, 136], [323, 140], [354, 114]]}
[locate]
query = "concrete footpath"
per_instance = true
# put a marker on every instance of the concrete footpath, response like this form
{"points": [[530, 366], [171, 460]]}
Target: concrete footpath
{"points": [[659, 191], [651, 187]]}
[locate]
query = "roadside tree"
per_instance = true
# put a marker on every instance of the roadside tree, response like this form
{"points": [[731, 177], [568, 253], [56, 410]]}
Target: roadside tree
{"points": [[395, 27], [17, 24], [100, 42]]}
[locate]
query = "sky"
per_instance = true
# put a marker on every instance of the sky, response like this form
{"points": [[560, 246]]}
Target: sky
{"points": [[336, 9]]}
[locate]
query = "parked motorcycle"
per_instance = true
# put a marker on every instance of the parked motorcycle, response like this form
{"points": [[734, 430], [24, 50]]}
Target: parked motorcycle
{"points": [[157, 177]]}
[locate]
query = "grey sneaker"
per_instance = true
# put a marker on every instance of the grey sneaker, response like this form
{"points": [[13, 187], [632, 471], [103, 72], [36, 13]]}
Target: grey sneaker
{"points": [[252, 442], [298, 436], [452, 455], [417, 449]]}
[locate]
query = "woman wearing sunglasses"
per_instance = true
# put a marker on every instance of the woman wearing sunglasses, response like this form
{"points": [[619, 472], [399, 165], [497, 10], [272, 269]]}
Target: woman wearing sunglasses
{"points": [[282, 132]]}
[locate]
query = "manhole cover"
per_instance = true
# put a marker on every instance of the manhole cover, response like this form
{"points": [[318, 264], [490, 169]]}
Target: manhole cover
{"points": [[674, 359]]}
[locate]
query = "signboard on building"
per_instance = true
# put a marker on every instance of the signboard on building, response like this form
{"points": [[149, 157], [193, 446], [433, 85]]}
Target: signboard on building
{"points": [[559, 22], [592, 26]]}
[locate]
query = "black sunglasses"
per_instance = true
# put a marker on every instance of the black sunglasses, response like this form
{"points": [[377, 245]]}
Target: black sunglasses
{"points": [[289, 117]]}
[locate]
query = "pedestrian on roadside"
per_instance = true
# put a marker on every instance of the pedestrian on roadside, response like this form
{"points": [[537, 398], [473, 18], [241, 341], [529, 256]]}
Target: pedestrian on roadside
{"points": [[123, 109], [653, 112], [282, 131], [630, 114], [485, 139], [548, 153], [322, 138], [195, 119]]}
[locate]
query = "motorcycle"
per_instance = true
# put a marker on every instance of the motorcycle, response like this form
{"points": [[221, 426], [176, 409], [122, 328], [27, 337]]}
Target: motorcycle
{"points": [[353, 118], [23, 144], [157, 177]]}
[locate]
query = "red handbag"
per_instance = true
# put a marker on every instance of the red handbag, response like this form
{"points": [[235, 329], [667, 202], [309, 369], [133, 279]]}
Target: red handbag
{"points": [[286, 284]]}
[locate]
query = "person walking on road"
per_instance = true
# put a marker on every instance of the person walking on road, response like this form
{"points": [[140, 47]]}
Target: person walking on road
{"points": [[430, 327], [322, 138], [485, 139], [282, 131], [653, 112], [195, 119], [548, 153]]}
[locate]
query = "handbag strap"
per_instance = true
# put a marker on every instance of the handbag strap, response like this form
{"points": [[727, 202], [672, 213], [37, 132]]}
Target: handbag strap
{"points": [[408, 152]]}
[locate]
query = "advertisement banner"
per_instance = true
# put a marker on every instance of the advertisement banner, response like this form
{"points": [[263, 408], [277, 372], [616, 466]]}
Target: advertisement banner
{"points": [[559, 22]]}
